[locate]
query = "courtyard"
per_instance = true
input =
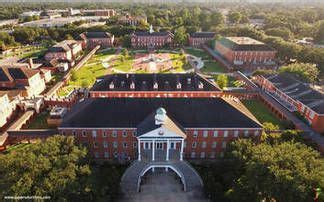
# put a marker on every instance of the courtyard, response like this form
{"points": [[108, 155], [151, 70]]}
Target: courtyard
{"points": [[164, 186], [124, 61]]}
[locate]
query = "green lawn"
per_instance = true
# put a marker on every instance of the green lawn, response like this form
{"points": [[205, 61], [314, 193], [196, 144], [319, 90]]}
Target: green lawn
{"points": [[40, 121], [86, 75], [123, 63], [212, 66], [262, 113], [179, 62], [198, 53]]}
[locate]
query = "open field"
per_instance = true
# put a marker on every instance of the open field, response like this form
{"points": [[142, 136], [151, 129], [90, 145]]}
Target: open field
{"points": [[262, 113]]}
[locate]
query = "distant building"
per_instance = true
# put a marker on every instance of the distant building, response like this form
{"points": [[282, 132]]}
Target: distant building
{"points": [[29, 82], [93, 39], [295, 96], [246, 53], [8, 104], [257, 22], [49, 15], [132, 20], [100, 12], [65, 50], [151, 39], [198, 39], [30, 14]]}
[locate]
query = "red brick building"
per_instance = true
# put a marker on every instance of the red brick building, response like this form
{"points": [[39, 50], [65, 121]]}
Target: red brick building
{"points": [[198, 39], [151, 39], [132, 20], [65, 50], [142, 127], [295, 96], [93, 39], [246, 53]]}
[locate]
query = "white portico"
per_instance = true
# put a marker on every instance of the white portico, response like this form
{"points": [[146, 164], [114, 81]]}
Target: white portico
{"points": [[160, 138]]}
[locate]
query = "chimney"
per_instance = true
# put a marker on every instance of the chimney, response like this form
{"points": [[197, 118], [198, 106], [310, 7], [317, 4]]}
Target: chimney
{"points": [[30, 63]]}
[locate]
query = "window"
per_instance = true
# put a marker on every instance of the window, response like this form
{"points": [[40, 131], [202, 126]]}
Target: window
{"points": [[115, 144], [94, 133], [225, 133], [104, 134], [95, 144], [124, 133], [96, 154], [84, 133], [224, 145], [246, 133], [106, 154], [134, 133], [202, 155], [212, 155], [193, 154], [195, 133], [205, 134], [214, 145], [215, 133], [105, 144], [256, 133], [135, 144], [311, 114], [114, 133], [203, 145], [194, 144], [236, 133], [125, 144]]}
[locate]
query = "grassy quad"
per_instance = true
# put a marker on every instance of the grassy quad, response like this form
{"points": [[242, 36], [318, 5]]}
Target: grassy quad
{"points": [[86, 75], [210, 65], [262, 113]]}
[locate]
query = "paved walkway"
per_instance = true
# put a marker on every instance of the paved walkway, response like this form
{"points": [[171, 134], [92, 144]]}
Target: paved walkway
{"points": [[163, 186]]}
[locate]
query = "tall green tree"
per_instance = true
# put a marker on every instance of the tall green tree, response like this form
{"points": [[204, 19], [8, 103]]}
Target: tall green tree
{"points": [[222, 80], [285, 171], [52, 168], [305, 71], [180, 36]]}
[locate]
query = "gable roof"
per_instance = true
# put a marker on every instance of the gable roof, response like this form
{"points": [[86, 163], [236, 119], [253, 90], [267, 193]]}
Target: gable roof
{"points": [[130, 112], [13, 73]]}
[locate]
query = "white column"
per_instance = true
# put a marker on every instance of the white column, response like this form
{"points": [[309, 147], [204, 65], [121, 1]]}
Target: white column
{"points": [[167, 152], [153, 150], [139, 150], [181, 152]]}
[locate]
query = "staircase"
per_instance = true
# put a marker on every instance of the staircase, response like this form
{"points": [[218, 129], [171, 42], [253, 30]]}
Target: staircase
{"points": [[130, 182]]}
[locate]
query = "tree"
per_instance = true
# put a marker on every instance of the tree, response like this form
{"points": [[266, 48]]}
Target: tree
{"points": [[281, 32], [180, 36], [74, 75], [234, 17], [319, 37], [285, 171], [222, 81], [305, 71], [52, 168]]}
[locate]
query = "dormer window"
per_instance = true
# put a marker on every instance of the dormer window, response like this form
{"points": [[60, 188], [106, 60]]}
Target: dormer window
{"points": [[132, 86], [200, 85], [111, 85], [122, 84], [179, 85], [189, 81], [155, 86]]}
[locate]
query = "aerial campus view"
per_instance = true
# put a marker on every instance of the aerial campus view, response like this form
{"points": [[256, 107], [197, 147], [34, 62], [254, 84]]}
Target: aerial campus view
{"points": [[162, 100]]}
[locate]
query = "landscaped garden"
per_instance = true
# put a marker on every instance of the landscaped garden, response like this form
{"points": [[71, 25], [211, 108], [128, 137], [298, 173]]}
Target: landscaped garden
{"points": [[262, 113]]}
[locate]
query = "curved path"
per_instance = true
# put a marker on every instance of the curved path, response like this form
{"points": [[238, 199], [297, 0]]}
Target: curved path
{"points": [[132, 178]]}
